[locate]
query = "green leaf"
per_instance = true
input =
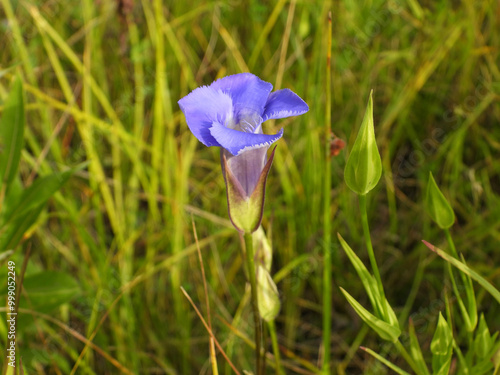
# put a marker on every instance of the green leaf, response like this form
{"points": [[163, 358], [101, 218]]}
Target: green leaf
{"points": [[437, 205], [465, 269], [370, 286], [366, 278], [442, 347], [364, 166], [29, 204], [11, 133], [482, 342], [11, 234], [416, 352], [38, 193], [48, 290], [385, 330]]}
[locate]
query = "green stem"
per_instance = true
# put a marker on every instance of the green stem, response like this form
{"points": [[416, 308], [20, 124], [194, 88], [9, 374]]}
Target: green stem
{"points": [[369, 247], [255, 307], [451, 243], [327, 259], [276, 350], [467, 315], [407, 356]]}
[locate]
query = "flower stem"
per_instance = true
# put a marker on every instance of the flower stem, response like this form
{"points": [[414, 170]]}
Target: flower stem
{"points": [[255, 307], [466, 284], [451, 243], [407, 356], [276, 350], [327, 259], [369, 247]]}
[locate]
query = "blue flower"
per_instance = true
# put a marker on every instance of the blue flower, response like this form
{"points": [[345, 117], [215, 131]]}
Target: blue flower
{"points": [[229, 113]]}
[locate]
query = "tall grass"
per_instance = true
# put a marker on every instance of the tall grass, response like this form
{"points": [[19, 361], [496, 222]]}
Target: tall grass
{"points": [[102, 80]]}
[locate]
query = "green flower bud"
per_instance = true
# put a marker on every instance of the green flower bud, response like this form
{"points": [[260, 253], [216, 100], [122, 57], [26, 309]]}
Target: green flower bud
{"points": [[437, 205], [268, 298], [364, 166]]}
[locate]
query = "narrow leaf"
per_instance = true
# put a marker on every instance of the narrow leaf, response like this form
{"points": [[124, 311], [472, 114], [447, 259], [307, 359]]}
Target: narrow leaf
{"points": [[366, 278], [11, 133], [464, 268], [11, 234], [416, 352], [442, 347], [482, 341], [384, 330], [50, 289], [370, 286], [38, 193], [22, 215]]}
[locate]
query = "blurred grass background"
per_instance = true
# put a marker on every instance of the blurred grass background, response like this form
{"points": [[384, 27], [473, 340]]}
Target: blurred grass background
{"points": [[102, 80]]}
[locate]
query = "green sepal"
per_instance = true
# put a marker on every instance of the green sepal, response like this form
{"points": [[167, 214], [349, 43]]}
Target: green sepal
{"points": [[442, 347], [364, 165], [246, 212], [437, 206], [385, 330]]}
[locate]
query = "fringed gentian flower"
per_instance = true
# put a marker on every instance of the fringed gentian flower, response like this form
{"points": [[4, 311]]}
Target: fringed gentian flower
{"points": [[229, 114]]}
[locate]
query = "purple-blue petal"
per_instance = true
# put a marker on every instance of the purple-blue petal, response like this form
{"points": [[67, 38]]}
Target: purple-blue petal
{"points": [[248, 92], [284, 103], [236, 141], [202, 107]]}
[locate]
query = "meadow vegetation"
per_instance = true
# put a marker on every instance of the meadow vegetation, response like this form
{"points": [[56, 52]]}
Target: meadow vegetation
{"points": [[107, 256]]}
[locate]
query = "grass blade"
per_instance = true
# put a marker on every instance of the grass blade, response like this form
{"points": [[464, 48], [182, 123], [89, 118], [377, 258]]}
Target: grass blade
{"points": [[11, 134], [465, 269]]}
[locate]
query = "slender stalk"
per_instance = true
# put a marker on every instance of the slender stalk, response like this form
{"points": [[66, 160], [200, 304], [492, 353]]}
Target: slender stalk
{"points": [[450, 270], [276, 350], [407, 356], [255, 307], [369, 247], [327, 259], [466, 286], [451, 243]]}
